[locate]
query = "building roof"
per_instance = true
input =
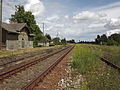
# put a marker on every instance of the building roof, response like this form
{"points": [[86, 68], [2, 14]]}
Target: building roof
{"points": [[15, 28]]}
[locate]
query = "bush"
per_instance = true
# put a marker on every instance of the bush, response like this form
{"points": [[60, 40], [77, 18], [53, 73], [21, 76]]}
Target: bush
{"points": [[51, 44], [112, 42]]}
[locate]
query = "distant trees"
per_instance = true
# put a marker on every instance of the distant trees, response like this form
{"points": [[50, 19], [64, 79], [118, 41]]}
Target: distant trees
{"points": [[114, 39], [71, 41], [57, 41], [63, 41]]}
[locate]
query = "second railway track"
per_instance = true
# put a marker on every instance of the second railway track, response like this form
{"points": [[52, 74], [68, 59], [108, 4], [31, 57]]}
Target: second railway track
{"points": [[28, 78], [103, 59]]}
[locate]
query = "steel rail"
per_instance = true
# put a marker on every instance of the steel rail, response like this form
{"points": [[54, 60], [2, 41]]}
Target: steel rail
{"points": [[23, 66], [41, 76], [110, 64]]}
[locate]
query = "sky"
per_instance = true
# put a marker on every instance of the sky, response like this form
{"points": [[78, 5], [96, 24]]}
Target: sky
{"points": [[71, 19]]}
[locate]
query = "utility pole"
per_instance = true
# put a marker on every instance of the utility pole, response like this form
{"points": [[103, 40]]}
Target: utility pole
{"points": [[43, 29], [43, 33], [0, 24]]}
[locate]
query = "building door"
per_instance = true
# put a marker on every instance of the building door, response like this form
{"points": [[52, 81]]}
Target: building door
{"points": [[23, 43]]}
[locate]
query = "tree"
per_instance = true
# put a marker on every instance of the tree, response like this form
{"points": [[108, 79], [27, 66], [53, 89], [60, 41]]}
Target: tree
{"points": [[112, 42], [97, 40], [22, 16], [63, 41], [103, 39], [56, 41], [115, 37], [48, 37], [71, 41]]}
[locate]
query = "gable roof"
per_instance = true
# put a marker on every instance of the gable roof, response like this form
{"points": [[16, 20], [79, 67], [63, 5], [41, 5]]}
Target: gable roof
{"points": [[15, 28]]}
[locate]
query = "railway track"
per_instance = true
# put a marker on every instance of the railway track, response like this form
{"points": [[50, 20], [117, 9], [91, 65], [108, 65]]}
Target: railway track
{"points": [[107, 61], [7, 72], [4, 61], [110, 64], [28, 78]]}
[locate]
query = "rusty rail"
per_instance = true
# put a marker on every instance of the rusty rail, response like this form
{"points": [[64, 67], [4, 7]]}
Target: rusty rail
{"points": [[35, 82], [23, 66], [110, 64]]}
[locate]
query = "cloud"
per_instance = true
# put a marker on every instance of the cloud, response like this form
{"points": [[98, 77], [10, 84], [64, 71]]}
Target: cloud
{"points": [[36, 6], [85, 15], [110, 32], [113, 23], [112, 9], [54, 17], [66, 16]]}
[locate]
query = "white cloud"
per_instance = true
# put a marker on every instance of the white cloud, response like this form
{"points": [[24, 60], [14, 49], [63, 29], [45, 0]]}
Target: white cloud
{"points": [[36, 6], [54, 17], [112, 9], [113, 23], [110, 32], [66, 16], [85, 15]]}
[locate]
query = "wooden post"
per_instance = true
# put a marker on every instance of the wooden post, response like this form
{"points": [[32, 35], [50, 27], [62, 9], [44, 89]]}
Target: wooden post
{"points": [[0, 24]]}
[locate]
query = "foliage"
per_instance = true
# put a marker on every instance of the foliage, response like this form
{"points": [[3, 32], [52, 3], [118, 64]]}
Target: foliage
{"points": [[51, 44], [112, 42], [71, 41], [63, 41], [56, 41], [97, 40], [48, 37], [114, 39]]}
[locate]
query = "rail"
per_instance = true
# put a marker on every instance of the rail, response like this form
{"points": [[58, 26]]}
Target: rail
{"points": [[35, 82]]}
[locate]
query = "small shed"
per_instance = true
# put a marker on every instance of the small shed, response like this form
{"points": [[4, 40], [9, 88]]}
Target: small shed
{"points": [[16, 36]]}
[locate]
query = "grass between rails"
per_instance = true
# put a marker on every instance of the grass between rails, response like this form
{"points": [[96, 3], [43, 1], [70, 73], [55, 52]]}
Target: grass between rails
{"points": [[98, 76]]}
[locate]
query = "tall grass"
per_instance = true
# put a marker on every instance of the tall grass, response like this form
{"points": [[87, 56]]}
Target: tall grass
{"points": [[84, 59], [98, 76]]}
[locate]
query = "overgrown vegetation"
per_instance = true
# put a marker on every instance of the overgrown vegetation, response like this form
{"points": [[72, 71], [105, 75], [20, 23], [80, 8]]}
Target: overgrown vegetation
{"points": [[114, 39], [98, 76], [112, 53]]}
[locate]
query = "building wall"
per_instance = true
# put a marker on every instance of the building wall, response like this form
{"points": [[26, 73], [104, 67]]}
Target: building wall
{"points": [[22, 42]]}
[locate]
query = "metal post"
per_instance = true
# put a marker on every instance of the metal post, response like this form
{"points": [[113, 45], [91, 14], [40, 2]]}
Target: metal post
{"points": [[0, 24]]}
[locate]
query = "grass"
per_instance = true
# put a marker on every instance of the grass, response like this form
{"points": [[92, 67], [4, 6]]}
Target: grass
{"points": [[98, 76], [84, 58], [7, 53]]}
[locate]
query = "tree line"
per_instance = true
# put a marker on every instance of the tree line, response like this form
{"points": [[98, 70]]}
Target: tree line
{"points": [[113, 39]]}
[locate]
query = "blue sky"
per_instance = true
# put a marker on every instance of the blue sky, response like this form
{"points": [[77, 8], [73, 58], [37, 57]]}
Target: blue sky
{"points": [[71, 19]]}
